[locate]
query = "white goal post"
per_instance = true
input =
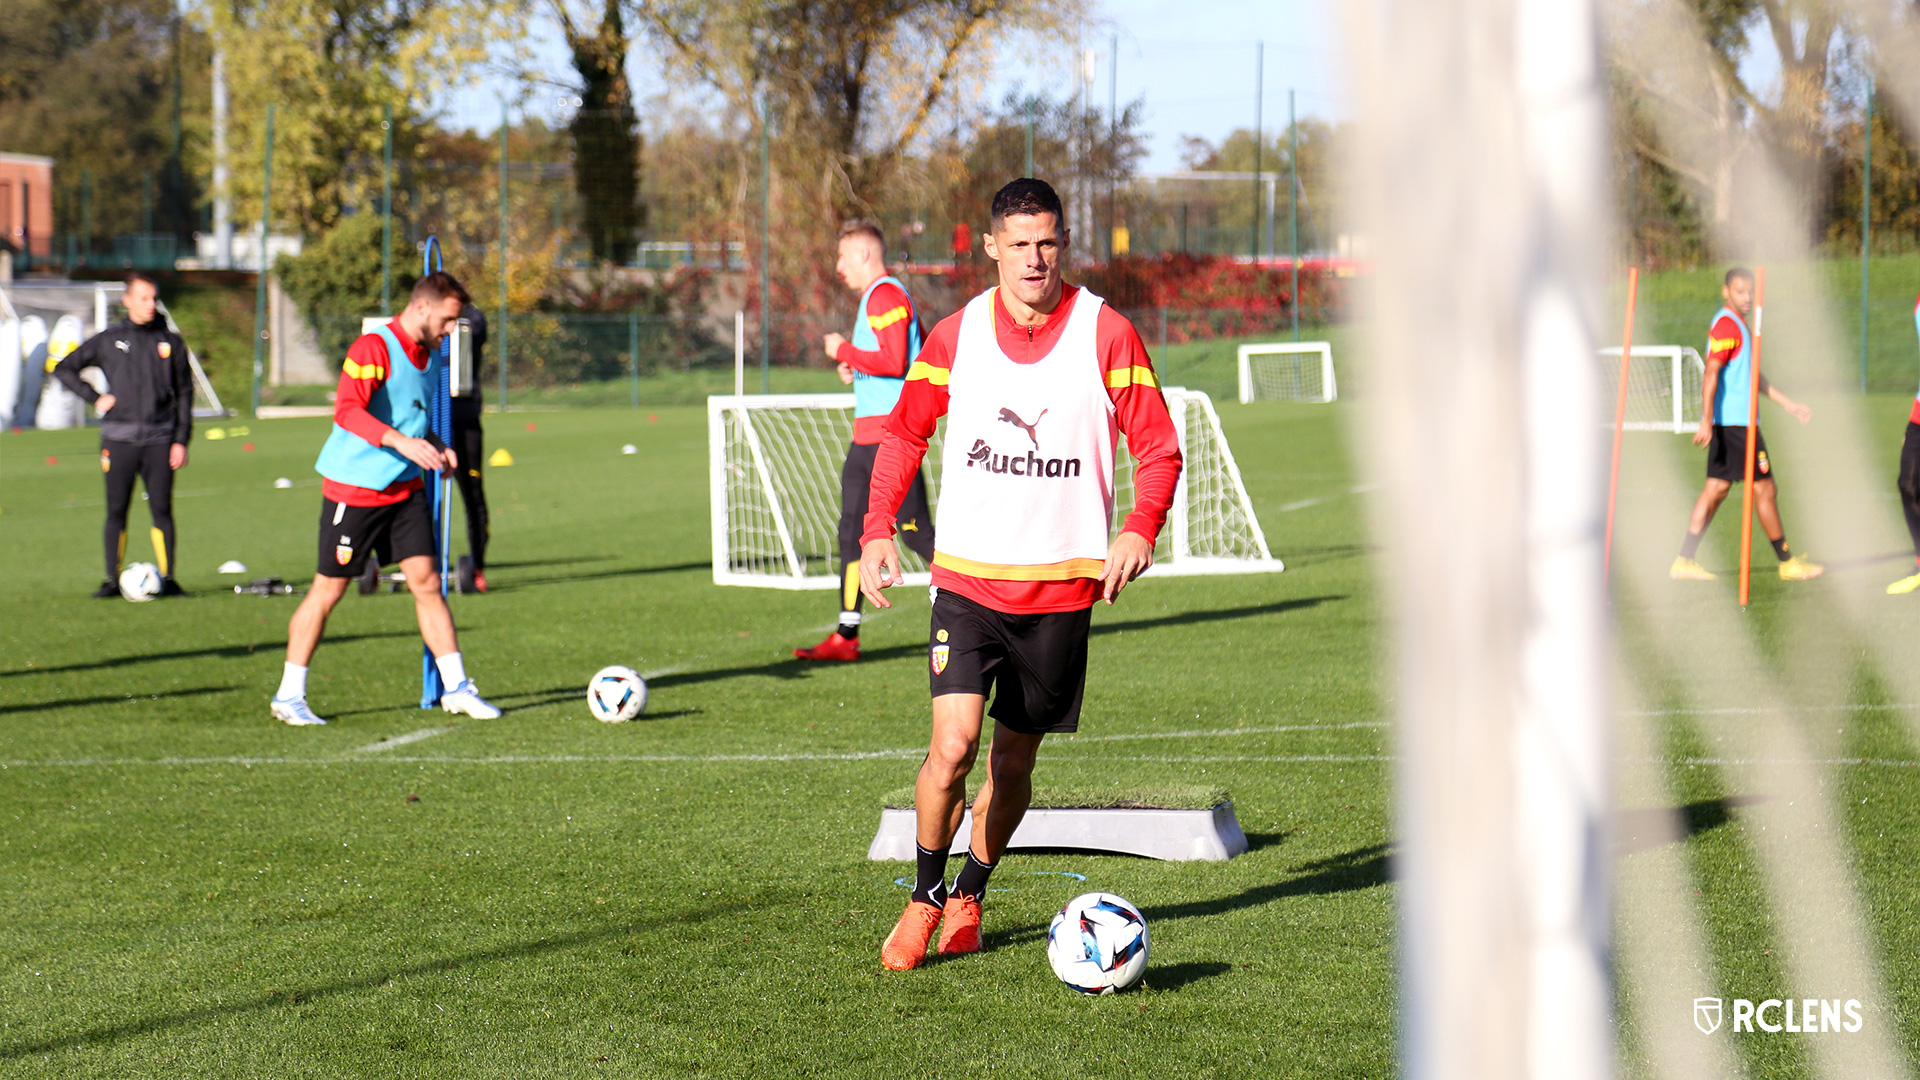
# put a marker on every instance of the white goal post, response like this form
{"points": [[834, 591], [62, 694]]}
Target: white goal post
{"points": [[1663, 387], [1287, 371], [774, 471]]}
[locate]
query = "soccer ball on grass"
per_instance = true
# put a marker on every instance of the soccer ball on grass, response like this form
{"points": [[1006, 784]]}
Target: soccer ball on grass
{"points": [[616, 694], [141, 581], [1098, 943]]}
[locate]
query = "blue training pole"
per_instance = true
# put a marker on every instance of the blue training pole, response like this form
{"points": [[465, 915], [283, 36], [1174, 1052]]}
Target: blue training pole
{"points": [[440, 419]]}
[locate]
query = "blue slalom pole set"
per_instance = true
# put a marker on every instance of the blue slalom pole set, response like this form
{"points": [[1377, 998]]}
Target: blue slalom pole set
{"points": [[440, 419]]}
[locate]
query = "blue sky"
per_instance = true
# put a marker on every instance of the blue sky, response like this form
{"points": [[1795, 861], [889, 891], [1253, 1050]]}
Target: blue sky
{"points": [[1190, 61]]}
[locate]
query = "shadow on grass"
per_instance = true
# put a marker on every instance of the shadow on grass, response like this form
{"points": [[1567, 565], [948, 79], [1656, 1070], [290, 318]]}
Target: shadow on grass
{"points": [[1351, 871], [513, 584], [225, 652], [1171, 978], [518, 564], [114, 699], [1262, 841], [565, 695], [1644, 830], [277, 998], [795, 668]]}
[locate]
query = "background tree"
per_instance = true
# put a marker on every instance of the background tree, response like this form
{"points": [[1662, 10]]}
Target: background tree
{"points": [[606, 134], [90, 83]]}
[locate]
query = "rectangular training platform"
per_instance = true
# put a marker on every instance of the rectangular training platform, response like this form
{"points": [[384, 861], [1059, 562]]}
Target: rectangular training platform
{"points": [[1211, 835]]}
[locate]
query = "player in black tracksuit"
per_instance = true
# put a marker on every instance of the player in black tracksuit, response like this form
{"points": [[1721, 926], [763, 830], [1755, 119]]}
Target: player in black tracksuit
{"points": [[466, 444], [146, 421]]}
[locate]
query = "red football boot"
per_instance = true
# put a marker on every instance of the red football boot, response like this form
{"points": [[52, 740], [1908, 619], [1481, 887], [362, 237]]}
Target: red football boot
{"points": [[834, 648], [960, 926], [479, 581]]}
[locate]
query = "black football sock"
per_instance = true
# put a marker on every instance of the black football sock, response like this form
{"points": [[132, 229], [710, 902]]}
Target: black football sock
{"points": [[972, 879], [1780, 549], [1690, 545], [930, 876], [849, 629]]}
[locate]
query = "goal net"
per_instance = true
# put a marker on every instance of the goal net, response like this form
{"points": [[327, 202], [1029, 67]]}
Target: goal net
{"points": [[1663, 387], [774, 469], [1287, 371]]}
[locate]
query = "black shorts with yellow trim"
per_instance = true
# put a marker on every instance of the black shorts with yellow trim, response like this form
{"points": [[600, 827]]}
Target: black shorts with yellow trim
{"points": [[349, 535], [1727, 455], [1034, 667]]}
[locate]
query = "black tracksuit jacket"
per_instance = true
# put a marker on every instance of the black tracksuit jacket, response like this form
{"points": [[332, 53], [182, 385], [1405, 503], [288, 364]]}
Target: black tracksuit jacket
{"points": [[147, 374]]}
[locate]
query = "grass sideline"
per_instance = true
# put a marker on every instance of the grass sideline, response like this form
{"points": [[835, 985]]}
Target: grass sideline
{"points": [[194, 889]]}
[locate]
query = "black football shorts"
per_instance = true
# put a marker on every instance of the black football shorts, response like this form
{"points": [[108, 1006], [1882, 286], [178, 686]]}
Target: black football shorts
{"points": [[349, 534], [1034, 667], [1727, 455]]}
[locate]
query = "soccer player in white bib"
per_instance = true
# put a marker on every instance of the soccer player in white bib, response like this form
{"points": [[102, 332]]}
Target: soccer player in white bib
{"points": [[1037, 380], [373, 500]]}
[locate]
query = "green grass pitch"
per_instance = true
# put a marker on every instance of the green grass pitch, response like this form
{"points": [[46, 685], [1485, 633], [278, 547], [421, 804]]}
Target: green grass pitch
{"points": [[193, 889]]}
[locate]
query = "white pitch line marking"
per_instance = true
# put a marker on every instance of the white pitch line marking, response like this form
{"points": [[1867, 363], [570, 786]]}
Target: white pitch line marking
{"points": [[1301, 505], [1075, 740], [401, 740], [1747, 710]]}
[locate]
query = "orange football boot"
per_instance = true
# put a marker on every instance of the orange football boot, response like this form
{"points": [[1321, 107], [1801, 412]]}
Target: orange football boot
{"points": [[960, 925], [907, 945]]}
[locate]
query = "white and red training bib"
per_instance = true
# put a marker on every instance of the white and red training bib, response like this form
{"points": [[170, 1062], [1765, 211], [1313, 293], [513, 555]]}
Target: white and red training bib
{"points": [[1026, 482]]}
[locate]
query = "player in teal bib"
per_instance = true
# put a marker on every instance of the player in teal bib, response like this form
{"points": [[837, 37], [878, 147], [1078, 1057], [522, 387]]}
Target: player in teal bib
{"points": [[1725, 405], [401, 404], [886, 340]]}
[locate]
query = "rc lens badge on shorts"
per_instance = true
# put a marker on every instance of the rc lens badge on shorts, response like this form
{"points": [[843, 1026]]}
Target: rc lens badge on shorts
{"points": [[343, 551], [939, 659], [1760, 462], [106, 460]]}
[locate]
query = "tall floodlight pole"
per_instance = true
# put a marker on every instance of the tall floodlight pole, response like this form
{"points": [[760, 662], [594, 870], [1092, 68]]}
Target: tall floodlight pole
{"points": [[766, 213], [1029, 168], [1113, 145], [222, 175], [500, 331], [1293, 210], [1866, 223], [260, 278], [1259, 73], [386, 212]]}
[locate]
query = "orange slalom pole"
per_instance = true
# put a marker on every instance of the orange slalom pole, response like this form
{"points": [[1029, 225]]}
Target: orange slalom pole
{"points": [[1619, 423], [1753, 437]]}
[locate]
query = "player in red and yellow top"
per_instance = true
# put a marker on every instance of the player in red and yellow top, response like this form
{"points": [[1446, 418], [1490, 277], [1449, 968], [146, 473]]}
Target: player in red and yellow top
{"points": [[886, 339], [1723, 431], [1037, 380]]}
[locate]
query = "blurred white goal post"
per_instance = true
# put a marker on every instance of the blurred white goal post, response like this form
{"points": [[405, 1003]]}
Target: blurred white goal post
{"points": [[1287, 371], [1663, 387], [774, 470]]}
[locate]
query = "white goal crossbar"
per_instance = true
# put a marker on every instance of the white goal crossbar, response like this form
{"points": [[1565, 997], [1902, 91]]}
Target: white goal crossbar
{"points": [[1287, 371], [1663, 387], [774, 465]]}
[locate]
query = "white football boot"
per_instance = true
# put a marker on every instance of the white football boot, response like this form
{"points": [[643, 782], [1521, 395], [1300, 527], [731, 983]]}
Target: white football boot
{"points": [[466, 698], [294, 711]]}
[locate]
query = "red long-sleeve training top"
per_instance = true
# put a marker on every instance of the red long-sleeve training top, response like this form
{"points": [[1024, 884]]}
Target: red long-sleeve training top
{"points": [[889, 313], [1139, 409], [364, 372]]}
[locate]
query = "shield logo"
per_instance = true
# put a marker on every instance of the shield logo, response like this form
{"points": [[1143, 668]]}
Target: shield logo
{"points": [[106, 460], [1760, 463], [939, 659], [166, 349], [1706, 1015], [342, 554]]}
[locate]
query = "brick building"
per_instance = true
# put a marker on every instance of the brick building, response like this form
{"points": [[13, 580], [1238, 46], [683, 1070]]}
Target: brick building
{"points": [[26, 203]]}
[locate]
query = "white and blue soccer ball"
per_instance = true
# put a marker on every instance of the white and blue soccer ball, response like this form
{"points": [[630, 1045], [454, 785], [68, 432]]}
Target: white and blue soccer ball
{"points": [[616, 694], [140, 581], [1098, 943]]}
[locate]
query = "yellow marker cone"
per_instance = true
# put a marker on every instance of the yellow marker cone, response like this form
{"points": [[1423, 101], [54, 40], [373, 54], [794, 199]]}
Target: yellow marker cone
{"points": [[500, 459]]}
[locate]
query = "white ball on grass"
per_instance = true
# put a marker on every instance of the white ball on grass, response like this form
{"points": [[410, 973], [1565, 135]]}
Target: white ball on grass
{"points": [[1097, 944], [140, 581], [616, 694]]}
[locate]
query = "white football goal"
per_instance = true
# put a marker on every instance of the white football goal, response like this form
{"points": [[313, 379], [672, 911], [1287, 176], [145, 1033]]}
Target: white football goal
{"points": [[774, 469], [1287, 371], [1663, 387]]}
